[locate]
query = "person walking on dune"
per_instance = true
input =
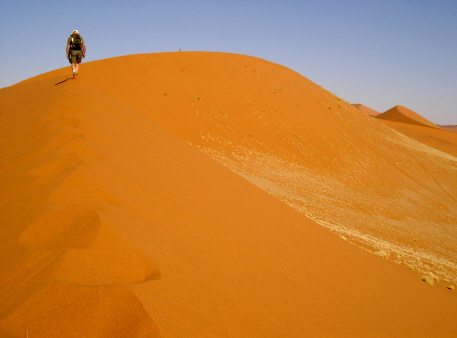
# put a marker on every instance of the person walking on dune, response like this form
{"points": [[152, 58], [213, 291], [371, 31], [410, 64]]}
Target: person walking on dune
{"points": [[76, 51]]}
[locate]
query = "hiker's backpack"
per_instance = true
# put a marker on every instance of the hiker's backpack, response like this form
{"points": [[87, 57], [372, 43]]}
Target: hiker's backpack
{"points": [[76, 42]]}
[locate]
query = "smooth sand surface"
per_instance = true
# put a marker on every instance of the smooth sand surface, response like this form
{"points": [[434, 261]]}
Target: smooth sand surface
{"points": [[449, 127], [184, 195], [366, 110]]}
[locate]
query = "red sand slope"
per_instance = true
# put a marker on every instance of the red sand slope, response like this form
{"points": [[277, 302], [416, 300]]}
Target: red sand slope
{"points": [[116, 226], [351, 173], [366, 109]]}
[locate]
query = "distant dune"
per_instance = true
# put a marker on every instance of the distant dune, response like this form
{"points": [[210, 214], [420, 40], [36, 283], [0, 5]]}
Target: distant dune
{"points": [[449, 128], [440, 139], [192, 194], [418, 128], [366, 109], [405, 115]]}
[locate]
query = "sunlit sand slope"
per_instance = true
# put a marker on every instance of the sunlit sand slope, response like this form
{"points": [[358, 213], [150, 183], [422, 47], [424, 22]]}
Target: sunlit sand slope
{"points": [[117, 223], [388, 193]]}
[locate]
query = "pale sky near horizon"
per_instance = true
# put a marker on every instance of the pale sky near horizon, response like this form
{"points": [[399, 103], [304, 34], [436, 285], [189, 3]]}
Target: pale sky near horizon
{"points": [[380, 53]]}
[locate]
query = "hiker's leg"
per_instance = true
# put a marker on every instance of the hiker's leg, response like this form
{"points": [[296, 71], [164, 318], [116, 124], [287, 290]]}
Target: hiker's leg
{"points": [[78, 59], [74, 62], [73, 69]]}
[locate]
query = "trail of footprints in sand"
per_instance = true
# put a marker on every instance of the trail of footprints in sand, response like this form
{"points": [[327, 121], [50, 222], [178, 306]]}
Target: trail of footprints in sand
{"points": [[69, 255]]}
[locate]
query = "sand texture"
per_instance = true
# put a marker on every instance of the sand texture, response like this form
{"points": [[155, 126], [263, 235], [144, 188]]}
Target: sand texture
{"points": [[199, 194]]}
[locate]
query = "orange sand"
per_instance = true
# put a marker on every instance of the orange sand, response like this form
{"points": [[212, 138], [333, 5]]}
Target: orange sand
{"points": [[440, 139], [405, 115], [117, 223], [366, 109], [449, 127]]}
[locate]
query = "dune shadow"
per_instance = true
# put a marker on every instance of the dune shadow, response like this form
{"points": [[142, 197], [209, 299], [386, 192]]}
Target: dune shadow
{"points": [[58, 83]]}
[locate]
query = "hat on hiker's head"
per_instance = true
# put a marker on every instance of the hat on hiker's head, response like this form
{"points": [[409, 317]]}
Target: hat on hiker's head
{"points": [[75, 32]]}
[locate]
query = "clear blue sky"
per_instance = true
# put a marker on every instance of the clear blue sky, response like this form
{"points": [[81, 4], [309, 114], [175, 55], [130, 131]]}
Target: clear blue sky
{"points": [[380, 53]]}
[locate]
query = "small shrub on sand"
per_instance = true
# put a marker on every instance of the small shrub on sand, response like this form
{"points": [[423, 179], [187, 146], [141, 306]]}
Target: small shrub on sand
{"points": [[431, 279], [451, 287]]}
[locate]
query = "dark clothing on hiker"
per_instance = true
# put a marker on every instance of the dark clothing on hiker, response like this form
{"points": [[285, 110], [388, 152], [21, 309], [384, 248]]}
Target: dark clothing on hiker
{"points": [[76, 56], [76, 51]]}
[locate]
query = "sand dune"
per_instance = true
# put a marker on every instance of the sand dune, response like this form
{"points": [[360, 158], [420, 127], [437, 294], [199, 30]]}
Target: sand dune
{"points": [[449, 127], [416, 127], [405, 115], [366, 109], [117, 222], [440, 139]]}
